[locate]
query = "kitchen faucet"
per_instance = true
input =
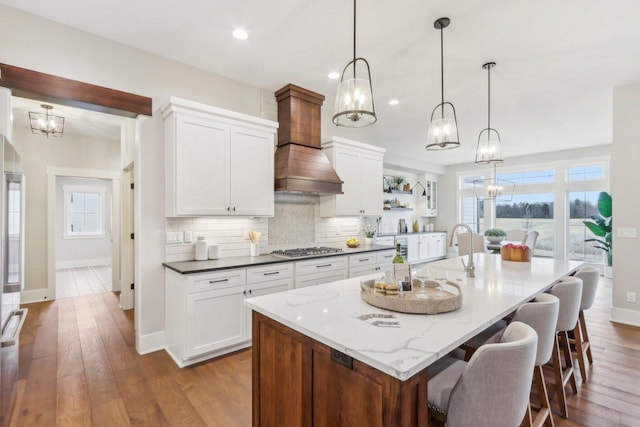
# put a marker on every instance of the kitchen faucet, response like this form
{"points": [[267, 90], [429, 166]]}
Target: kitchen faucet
{"points": [[469, 268]]}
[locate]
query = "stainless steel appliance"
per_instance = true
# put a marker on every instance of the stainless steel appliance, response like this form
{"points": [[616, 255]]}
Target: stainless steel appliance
{"points": [[402, 226], [306, 252], [12, 317]]}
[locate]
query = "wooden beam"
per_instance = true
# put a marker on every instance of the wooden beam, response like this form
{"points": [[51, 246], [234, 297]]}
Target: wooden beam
{"points": [[48, 88]]}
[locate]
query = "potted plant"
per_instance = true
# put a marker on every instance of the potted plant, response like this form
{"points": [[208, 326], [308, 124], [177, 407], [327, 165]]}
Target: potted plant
{"points": [[369, 232], [398, 180], [495, 235], [601, 226]]}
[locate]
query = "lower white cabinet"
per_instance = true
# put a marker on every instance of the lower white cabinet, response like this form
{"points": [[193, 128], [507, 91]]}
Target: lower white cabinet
{"points": [[432, 246], [323, 270], [370, 263], [205, 314]]}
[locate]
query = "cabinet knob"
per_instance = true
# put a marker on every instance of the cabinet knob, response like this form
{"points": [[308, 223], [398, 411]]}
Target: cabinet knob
{"points": [[244, 292], [228, 208], [234, 208]]}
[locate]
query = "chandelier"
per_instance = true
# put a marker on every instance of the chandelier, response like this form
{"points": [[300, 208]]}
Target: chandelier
{"points": [[45, 123]]}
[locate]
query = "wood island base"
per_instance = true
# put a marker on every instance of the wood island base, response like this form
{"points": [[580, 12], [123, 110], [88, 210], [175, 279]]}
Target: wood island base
{"points": [[298, 381]]}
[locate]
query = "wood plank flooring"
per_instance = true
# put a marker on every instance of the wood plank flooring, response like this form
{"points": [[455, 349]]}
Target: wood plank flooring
{"points": [[79, 367]]}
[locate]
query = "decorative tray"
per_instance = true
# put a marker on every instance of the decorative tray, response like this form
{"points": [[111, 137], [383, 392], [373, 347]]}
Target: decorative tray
{"points": [[418, 301]]}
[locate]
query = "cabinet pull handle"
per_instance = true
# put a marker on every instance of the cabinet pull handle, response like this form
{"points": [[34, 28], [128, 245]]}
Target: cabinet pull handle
{"points": [[324, 265], [234, 208], [272, 273], [244, 292], [218, 281], [363, 259], [250, 291], [228, 208]]}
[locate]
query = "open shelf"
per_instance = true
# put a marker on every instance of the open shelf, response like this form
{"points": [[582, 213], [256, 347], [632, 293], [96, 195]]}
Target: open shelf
{"points": [[398, 209], [398, 192]]}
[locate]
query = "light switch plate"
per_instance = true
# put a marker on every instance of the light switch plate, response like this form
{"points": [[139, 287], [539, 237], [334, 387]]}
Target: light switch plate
{"points": [[188, 236], [171, 237], [626, 232]]}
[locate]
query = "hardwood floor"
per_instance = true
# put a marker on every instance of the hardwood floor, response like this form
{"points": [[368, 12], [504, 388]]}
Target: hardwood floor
{"points": [[79, 367]]}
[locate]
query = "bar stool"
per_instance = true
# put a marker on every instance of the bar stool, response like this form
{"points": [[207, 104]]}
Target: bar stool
{"points": [[590, 277], [569, 292], [542, 315], [492, 389]]}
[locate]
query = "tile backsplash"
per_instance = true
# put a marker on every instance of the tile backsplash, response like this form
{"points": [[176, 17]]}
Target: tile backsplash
{"points": [[296, 223]]}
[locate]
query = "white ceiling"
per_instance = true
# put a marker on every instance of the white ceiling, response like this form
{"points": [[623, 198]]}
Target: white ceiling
{"points": [[78, 122], [558, 61]]}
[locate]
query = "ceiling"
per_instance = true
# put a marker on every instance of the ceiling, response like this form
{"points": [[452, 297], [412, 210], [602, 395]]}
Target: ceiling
{"points": [[78, 122], [557, 61]]}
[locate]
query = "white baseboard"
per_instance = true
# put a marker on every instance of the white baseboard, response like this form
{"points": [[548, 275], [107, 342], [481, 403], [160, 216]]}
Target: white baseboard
{"points": [[78, 263], [36, 295], [150, 342], [624, 315]]}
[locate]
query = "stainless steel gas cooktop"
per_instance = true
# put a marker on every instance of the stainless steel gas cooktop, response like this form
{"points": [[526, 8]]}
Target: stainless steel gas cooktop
{"points": [[306, 252]]}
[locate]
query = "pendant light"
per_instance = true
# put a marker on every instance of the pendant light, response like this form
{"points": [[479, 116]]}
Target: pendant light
{"points": [[443, 130], [494, 188], [489, 150], [354, 101], [46, 123]]}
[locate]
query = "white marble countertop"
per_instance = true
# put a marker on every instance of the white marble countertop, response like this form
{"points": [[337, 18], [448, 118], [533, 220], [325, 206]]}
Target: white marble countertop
{"points": [[333, 313]]}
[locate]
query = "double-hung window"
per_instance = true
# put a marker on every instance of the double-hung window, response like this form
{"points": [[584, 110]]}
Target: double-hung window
{"points": [[83, 211]]}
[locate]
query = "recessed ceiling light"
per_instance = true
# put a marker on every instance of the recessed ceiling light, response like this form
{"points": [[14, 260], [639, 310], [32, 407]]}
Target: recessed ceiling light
{"points": [[334, 75], [240, 34], [394, 102]]}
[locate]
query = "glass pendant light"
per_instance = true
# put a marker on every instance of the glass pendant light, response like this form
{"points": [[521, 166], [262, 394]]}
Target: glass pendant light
{"points": [[489, 146], [443, 129], [354, 101], [494, 188], [46, 123]]}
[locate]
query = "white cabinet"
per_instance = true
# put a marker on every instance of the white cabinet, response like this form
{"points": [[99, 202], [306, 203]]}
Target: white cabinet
{"points": [[217, 162], [205, 314], [432, 246], [424, 241], [428, 205], [384, 260], [413, 248], [322, 270], [360, 167]]}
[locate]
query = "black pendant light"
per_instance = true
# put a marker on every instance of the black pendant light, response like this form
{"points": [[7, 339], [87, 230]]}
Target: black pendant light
{"points": [[489, 148], [354, 101], [443, 129]]}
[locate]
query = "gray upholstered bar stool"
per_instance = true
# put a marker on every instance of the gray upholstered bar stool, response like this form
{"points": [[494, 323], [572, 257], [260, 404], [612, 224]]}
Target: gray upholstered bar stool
{"points": [[569, 292], [492, 389], [590, 277], [542, 315]]}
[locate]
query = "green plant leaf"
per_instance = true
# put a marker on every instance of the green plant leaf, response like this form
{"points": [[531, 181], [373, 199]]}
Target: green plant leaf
{"points": [[604, 204], [595, 228]]}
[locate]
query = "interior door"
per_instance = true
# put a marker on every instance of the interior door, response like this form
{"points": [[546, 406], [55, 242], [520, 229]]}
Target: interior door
{"points": [[127, 253]]}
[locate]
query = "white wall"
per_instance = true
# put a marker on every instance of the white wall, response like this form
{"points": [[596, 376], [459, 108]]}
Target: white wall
{"points": [[625, 176], [96, 60], [37, 154], [85, 251]]}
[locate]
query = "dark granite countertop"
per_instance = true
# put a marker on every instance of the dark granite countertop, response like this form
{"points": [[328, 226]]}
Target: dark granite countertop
{"points": [[190, 267]]}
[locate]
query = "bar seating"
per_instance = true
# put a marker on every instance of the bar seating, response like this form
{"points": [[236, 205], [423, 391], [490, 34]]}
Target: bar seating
{"points": [[569, 292], [479, 244], [516, 235], [492, 389], [590, 277], [542, 315]]}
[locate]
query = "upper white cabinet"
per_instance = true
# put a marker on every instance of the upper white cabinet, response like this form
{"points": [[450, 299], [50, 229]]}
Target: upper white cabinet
{"points": [[360, 167], [428, 206], [218, 162]]}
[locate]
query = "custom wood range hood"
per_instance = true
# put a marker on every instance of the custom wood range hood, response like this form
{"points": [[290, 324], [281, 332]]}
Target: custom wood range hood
{"points": [[300, 164]]}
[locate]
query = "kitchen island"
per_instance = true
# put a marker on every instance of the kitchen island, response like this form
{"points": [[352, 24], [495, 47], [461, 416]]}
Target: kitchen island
{"points": [[323, 357]]}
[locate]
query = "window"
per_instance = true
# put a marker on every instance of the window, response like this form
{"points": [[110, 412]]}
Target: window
{"points": [[582, 205], [542, 176], [83, 214], [585, 173], [473, 213], [529, 212]]}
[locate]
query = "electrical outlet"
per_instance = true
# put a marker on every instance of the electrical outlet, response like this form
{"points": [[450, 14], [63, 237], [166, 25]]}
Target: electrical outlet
{"points": [[188, 236], [631, 297], [245, 234], [171, 237]]}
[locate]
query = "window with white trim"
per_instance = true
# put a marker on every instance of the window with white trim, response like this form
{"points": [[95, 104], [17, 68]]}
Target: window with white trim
{"points": [[593, 172], [83, 211]]}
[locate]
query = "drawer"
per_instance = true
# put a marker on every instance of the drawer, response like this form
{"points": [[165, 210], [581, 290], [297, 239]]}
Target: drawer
{"points": [[334, 263], [269, 272], [364, 270], [361, 260], [220, 280], [319, 278], [385, 256]]}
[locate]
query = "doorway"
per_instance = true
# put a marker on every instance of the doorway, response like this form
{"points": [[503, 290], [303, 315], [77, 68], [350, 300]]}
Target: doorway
{"points": [[83, 233]]}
